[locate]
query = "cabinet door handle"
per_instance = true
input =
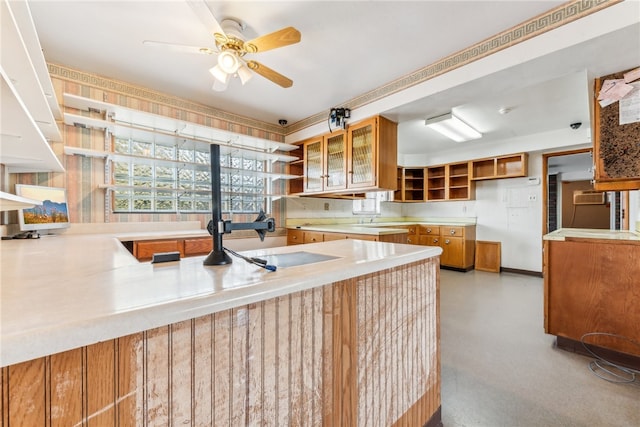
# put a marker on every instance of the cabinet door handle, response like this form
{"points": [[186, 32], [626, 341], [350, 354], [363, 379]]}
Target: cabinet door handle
{"points": [[435, 240], [446, 242], [428, 230], [453, 232]]}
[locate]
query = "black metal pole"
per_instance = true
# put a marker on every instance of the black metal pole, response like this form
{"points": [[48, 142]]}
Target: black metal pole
{"points": [[217, 256]]}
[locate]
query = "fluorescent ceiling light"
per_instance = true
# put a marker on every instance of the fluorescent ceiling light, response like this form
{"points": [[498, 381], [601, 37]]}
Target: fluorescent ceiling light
{"points": [[453, 128]]}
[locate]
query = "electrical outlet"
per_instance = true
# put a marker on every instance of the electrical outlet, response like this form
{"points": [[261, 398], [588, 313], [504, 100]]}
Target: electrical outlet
{"points": [[532, 197], [326, 206]]}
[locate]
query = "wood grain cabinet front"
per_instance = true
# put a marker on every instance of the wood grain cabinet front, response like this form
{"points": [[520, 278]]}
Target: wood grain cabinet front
{"points": [[144, 250], [201, 246], [457, 243], [295, 237], [458, 246], [313, 237]]}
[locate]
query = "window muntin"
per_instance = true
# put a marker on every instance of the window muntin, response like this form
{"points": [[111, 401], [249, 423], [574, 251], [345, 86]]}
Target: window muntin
{"points": [[159, 178]]}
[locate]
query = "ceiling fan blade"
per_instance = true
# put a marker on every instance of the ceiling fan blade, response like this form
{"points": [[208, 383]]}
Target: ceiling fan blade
{"points": [[280, 38], [269, 74], [179, 47], [206, 15]]}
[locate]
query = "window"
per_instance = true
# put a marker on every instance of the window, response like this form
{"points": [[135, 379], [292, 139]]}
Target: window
{"points": [[162, 178]]}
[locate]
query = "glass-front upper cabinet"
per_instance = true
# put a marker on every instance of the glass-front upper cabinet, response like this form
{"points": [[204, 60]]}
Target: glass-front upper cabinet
{"points": [[361, 159], [336, 160], [313, 165]]}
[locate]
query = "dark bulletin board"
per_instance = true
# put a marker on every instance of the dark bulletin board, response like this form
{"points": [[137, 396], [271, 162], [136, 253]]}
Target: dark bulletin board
{"points": [[617, 147]]}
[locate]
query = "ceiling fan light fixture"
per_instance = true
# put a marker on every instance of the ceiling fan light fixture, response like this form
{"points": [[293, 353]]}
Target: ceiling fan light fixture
{"points": [[453, 128], [244, 73], [228, 61], [219, 74], [219, 86]]}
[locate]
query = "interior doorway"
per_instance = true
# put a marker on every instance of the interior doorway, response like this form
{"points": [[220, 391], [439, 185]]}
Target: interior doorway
{"points": [[568, 198]]}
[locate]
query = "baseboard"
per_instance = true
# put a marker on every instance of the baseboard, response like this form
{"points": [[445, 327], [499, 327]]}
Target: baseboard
{"points": [[436, 419], [623, 359], [518, 271], [462, 270]]}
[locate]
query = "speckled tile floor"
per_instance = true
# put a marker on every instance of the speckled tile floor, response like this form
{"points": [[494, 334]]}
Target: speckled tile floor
{"points": [[499, 368]]}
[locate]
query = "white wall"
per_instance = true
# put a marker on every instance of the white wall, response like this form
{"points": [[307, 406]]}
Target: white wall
{"points": [[309, 207]]}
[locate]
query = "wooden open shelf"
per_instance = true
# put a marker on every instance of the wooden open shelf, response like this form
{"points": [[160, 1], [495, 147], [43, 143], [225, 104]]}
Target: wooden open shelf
{"points": [[510, 166], [296, 185], [459, 186], [411, 185], [436, 183]]}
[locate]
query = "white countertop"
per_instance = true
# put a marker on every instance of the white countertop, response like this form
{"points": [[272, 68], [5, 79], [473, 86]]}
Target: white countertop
{"points": [[375, 229], [63, 292], [584, 233], [372, 230]]}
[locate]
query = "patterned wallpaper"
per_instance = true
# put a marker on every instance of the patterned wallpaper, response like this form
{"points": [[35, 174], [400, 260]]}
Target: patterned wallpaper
{"points": [[84, 175]]}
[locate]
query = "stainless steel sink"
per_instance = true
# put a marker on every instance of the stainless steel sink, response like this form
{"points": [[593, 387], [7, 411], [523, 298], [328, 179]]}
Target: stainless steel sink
{"points": [[297, 258]]}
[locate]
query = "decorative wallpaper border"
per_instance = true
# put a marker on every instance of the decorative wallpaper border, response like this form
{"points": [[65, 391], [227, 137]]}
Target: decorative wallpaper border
{"points": [[554, 18], [89, 79], [540, 24]]}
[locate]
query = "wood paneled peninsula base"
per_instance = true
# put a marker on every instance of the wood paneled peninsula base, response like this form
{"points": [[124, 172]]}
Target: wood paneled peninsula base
{"points": [[592, 286], [361, 349]]}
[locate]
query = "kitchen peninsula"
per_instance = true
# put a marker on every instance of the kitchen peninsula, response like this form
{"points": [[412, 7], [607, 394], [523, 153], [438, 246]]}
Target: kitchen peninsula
{"points": [[91, 335], [592, 286]]}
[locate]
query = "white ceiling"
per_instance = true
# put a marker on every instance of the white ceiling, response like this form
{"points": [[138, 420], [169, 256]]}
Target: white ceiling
{"points": [[347, 49]]}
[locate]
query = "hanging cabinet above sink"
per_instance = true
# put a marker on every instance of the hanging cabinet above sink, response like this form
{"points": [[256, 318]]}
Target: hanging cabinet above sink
{"points": [[362, 158]]}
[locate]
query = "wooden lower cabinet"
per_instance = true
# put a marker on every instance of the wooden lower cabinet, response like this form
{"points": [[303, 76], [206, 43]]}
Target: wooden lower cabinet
{"points": [[201, 246], [452, 251], [296, 236], [359, 352], [593, 285], [457, 243], [143, 250]]}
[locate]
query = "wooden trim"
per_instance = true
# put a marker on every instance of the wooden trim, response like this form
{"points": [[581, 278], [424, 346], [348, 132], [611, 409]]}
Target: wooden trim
{"points": [[545, 173], [519, 271], [345, 357], [610, 355]]}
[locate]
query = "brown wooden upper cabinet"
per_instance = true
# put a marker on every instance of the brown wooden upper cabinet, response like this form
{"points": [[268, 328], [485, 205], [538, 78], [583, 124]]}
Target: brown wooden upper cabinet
{"points": [[616, 145], [362, 158], [509, 166]]}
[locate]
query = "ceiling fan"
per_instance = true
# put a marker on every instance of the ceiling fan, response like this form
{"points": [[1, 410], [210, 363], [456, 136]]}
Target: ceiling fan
{"points": [[231, 47]]}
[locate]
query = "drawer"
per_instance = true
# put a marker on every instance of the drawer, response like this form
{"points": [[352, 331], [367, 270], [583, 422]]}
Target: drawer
{"points": [[429, 230], [198, 246], [451, 231], [368, 237], [295, 237], [313, 237], [327, 237], [144, 250], [412, 230], [430, 240]]}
